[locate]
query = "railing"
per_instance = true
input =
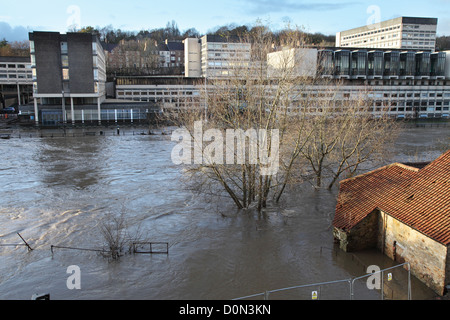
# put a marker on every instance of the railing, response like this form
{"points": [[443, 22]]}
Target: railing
{"points": [[382, 280], [163, 247], [316, 295], [319, 285]]}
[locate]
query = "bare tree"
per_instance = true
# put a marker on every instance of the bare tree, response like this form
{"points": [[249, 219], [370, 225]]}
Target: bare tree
{"points": [[117, 236], [344, 134], [114, 234], [247, 110], [263, 101]]}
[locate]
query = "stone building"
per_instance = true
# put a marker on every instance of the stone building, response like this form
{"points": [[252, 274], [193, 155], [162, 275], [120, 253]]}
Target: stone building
{"points": [[403, 210]]}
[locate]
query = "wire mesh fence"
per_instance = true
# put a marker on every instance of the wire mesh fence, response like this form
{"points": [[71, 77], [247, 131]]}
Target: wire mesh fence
{"points": [[391, 283]]}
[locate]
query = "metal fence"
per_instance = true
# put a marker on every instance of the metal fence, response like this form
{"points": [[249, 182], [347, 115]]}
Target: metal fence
{"points": [[314, 291], [391, 280], [78, 134], [395, 283]]}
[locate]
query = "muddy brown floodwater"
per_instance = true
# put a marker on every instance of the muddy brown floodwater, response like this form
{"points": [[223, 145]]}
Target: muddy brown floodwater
{"points": [[59, 191]]}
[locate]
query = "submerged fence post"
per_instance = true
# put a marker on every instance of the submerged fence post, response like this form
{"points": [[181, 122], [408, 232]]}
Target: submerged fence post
{"points": [[29, 248]]}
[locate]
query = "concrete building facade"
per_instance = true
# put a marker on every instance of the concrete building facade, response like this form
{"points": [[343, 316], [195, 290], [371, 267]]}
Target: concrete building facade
{"points": [[67, 69], [301, 62], [400, 33], [192, 58], [380, 79], [15, 81], [219, 57]]}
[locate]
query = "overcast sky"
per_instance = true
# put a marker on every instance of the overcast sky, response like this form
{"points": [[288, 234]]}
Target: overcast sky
{"points": [[17, 18]]}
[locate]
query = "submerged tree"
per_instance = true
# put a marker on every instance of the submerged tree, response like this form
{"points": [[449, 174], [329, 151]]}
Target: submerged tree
{"points": [[245, 122], [344, 135], [259, 128]]}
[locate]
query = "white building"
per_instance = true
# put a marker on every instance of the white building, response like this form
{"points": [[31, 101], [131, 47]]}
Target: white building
{"points": [[218, 56], [192, 58], [399, 33], [299, 61]]}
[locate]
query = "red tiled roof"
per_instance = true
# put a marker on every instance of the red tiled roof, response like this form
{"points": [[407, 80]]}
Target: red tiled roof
{"points": [[420, 198]]}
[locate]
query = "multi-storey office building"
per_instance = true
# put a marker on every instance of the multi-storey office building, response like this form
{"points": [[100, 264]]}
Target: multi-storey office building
{"points": [[15, 80], [215, 56], [399, 33], [67, 69], [406, 84]]}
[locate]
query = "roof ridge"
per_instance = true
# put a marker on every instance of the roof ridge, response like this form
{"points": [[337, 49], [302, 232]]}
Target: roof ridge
{"points": [[444, 155], [398, 164]]}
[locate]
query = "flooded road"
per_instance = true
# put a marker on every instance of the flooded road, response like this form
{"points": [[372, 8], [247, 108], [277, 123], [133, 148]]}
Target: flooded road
{"points": [[60, 191]]}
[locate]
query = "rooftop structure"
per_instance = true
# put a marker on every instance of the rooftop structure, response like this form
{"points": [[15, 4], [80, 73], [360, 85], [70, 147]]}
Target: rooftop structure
{"points": [[399, 33]]}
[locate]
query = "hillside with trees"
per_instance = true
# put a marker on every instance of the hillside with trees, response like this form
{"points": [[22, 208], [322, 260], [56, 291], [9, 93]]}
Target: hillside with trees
{"points": [[17, 48], [172, 32]]}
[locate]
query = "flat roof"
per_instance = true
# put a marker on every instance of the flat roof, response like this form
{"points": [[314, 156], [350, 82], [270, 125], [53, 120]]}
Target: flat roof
{"points": [[390, 22]]}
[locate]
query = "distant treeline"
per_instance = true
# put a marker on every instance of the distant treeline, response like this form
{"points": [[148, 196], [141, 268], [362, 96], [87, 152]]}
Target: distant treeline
{"points": [[171, 32], [14, 49], [443, 43]]}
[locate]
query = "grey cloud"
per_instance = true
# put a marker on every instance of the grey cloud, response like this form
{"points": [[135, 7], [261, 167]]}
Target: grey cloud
{"points": [[19, 33]]}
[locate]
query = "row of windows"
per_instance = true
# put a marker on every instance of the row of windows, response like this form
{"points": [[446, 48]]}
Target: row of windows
{"points": [[158, 93], [418, 43], [14, 66], [413, 95], [15, 76], [378, 108], [372, 32], [227, 46], [436, 97], [418, 35]]}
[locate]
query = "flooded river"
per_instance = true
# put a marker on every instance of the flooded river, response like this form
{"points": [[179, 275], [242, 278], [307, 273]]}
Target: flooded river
{"points": [[60, 191]]}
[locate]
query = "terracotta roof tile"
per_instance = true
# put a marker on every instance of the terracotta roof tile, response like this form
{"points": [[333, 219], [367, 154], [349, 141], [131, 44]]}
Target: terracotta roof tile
{"points": [[418, 197]]}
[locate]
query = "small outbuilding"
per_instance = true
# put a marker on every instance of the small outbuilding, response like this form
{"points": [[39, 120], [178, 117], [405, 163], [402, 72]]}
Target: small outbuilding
{"points": [[403, 210]]}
